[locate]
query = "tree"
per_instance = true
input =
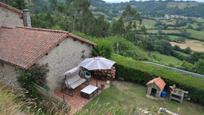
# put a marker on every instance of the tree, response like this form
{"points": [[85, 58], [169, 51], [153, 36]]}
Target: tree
{"points": [[131, 14], [101, 27], [188, 50], [163, 46], [196, 56], [199, 66], [19, 4], [118, 27]]}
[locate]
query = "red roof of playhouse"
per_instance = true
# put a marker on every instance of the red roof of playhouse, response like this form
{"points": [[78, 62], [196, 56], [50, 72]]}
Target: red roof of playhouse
{"points": [[158, 81], [24, 46], [12, 9]]}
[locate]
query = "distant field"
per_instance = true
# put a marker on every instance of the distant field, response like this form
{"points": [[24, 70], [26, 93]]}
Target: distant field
{"points": [[181, 5], [195, 45], [164, 31], [173, 38], [148, 23], [196, 34], [169, 22], [200, 20]]}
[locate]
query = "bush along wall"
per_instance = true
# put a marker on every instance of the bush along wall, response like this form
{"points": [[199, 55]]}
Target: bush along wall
{"points": [[38, 98], [133, 75]]}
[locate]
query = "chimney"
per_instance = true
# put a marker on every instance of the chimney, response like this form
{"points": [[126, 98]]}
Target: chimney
{"points": [[26, 18]]}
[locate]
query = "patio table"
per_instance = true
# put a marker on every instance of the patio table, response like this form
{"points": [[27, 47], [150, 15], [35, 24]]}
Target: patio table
{"points": [[89, 91]]}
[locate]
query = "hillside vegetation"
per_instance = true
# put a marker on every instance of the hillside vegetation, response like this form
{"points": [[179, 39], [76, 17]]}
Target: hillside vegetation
{"points": [[152, 8], [129, 33]]}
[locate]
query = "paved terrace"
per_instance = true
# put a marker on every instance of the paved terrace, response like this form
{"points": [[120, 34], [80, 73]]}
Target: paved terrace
{"points": [[76, 102]]}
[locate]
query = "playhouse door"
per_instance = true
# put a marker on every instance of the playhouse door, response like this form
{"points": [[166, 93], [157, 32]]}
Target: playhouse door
{"points": [[153, 92]]}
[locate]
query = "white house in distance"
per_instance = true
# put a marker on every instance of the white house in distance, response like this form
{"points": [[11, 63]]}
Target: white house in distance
{"points": [[22, 47]]}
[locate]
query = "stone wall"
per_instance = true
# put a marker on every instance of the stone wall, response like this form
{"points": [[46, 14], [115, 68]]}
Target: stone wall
{"points": [[64, 57], [9, 18], [8, 74]]}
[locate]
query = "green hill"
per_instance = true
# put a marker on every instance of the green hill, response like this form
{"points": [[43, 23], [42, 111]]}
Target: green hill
{"points": [[152, 8]]}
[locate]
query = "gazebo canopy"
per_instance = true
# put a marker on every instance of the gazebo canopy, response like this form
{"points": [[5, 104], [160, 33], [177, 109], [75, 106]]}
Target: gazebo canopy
{"points": [[97, 63]]}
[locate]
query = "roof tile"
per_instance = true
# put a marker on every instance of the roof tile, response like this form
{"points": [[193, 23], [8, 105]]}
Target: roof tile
{"points": [[158, 81], [23, 46]]}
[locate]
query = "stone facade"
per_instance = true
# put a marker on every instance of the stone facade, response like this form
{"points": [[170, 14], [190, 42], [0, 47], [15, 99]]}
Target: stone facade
{"points": [[66, 56], [63, 57], [9, 18], [8, 74]]}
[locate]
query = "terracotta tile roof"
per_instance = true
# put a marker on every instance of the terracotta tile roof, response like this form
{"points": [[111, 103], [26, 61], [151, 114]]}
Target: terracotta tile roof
{"points": [[17, 11], [157, 81], [82, 39], [23, 46]]}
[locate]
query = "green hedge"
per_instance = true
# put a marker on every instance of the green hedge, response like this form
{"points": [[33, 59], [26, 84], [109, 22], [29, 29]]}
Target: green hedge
{"points": [[141, 73]]}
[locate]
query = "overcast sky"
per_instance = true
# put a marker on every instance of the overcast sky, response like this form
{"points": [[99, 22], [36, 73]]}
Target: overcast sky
{"points": [[116, 1]]}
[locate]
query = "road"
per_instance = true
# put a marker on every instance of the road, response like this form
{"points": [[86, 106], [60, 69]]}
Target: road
{"points": [[177, 70]]}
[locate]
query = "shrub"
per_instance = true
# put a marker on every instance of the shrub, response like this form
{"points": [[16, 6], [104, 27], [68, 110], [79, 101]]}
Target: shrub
{"points": [[35, 95], [103, 48], [199, 66], [187, 50]]}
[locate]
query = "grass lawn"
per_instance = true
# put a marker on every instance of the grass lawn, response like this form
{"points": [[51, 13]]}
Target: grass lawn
{"points": [[129, 99]]}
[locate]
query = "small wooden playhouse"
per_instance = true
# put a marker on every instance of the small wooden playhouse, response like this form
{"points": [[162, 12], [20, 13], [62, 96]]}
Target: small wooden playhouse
{"points": [[155, 87]]}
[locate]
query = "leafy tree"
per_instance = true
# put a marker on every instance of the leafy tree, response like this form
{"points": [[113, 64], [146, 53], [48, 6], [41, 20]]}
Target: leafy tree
{"points": [[187, 50], [43, 20], [199, 66], [118, 27], [176, 47], [163, 47], [131, 14], [103, 48], [196, 56], [101, 27], [19, 4]]}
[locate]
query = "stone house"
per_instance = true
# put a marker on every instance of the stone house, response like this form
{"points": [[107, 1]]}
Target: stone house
{"points": [[22, 47], [11, 17], [155, 87]]}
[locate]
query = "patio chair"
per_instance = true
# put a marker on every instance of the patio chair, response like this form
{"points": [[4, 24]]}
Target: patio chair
{"points": [[73, 80]]}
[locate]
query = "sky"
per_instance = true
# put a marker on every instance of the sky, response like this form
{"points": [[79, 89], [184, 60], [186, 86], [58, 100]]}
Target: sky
{"points": [[116, 1]]}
